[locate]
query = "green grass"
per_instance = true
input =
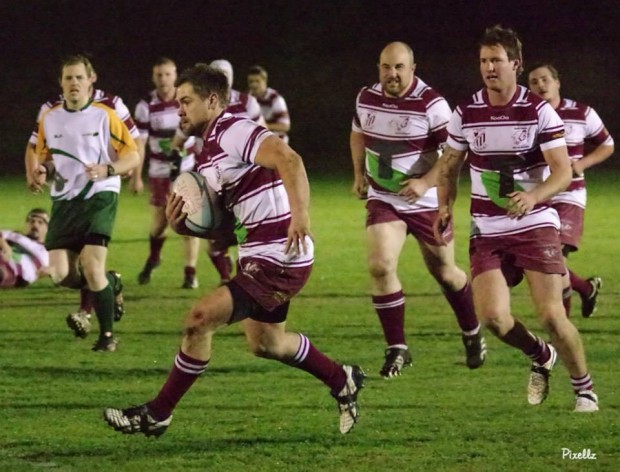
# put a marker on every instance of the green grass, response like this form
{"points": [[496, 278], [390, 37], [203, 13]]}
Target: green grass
{"points": [[251, 414]]}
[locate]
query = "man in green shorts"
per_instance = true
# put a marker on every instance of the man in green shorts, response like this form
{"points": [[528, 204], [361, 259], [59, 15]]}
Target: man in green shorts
{"points": [[90, 147]]}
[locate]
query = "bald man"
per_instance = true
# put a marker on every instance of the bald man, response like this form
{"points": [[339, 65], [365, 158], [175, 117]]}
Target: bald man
{"points": [[397, 134]]}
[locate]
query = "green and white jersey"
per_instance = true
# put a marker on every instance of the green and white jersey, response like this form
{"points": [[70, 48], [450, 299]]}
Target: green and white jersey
{"points": [[74, 139]]}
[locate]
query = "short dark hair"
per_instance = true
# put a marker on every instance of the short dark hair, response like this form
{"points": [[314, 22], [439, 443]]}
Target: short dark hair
{"points": [[554, 72], [206, 80], [162, 60], [508, 39], [258, 70], [40, 212]]}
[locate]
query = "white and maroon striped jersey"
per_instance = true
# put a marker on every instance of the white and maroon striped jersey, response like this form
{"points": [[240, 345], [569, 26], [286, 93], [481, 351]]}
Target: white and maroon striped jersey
{"points": [[403, 138], [244, 105], [504, 146], [158, 122], [28, 255], [583, 125], [255, 194], [76, 138], [274, 110], [112, 101]]}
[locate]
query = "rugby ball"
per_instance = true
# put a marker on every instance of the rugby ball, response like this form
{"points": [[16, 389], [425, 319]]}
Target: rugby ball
{"points": [[201, 203]]}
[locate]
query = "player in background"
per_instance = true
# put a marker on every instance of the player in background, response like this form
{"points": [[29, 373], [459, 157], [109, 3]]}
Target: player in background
{"points": [[116, 103], [512, 138], [272, 104], [90, 147], [263, 181], [397, 133], [589, 143], [158, 121], [23, 257]]}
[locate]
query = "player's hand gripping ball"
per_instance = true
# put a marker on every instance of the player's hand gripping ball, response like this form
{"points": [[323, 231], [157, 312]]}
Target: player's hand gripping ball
{"points": [[201, 203]]}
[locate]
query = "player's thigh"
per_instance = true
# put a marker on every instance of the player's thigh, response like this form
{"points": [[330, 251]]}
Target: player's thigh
{"points": [[491, 296], [546, 293], [60, 264], [385, 242]]}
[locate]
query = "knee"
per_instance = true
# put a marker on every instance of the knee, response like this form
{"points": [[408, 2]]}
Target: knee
{"points": [[553, 319], [449, 277], [496, 323], [380, 267], [62, 278], [199, 322]]}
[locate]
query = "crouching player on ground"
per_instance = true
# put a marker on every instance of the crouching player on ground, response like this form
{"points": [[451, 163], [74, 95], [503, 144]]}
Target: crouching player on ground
{"points": [[263, 182]]}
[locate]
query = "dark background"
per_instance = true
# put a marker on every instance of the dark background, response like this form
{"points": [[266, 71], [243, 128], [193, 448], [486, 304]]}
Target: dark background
{"points": [[318, 54]]}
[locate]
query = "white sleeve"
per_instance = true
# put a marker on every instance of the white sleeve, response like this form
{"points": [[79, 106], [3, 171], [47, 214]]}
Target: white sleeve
{"points": [[242, 140]]}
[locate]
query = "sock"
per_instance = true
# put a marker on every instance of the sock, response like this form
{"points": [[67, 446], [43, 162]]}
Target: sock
{"points": [[86, 300], [155, 245], [184, 373], [566, 296], [579, 285], [531, 345], [391, 311], [581, 383], [314, 362], [190, 272], [103, 302], [223, 264], [462, 304]]}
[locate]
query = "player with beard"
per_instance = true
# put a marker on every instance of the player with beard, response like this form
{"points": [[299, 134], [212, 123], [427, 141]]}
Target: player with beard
{"points": [[264, 183]]}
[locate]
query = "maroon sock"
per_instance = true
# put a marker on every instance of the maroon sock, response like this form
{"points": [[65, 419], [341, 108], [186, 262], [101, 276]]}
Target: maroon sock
{"points": [[582, 383], [184, 373], [86, 300], [155, 245], [314, 362], [190, 271], [566, 296], [462, 304], [532, 346], [223, 264], [391, 311], [579, 285]]}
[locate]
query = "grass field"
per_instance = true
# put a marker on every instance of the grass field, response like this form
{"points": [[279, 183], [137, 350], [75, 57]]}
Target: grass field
{"points": [[251, 414]]}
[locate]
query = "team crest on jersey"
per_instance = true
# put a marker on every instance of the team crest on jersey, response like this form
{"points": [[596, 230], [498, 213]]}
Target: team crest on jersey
{"points": [[368, 120], [400, 124], [480, 139], [520, 137]]}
